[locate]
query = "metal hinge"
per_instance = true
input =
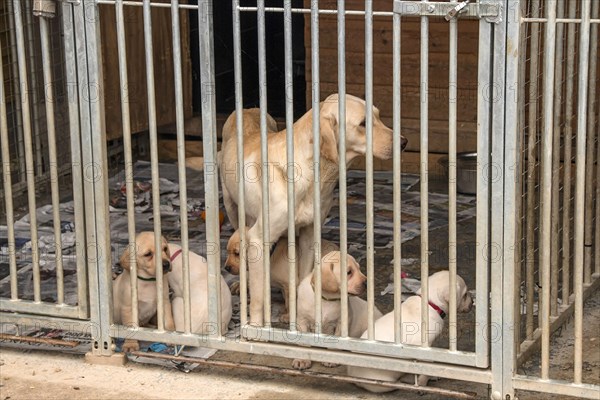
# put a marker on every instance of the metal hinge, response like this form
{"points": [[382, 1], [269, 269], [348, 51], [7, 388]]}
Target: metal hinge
{"points": [[490, 11]]}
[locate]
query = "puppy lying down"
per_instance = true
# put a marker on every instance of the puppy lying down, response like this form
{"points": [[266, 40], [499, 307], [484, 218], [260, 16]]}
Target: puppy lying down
{"points": [[439, 298]]}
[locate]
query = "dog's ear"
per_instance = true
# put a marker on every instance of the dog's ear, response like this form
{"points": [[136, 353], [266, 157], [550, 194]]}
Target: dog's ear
{"points": [[329, 282], [328, 143], [124, 260]]}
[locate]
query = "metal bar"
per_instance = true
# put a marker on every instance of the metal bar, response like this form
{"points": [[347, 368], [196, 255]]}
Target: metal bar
{"points": [[321, 11], [591, 142], [289, 125], [209, 140], [584, 54], [94, 159], [369, 168], [568, 143], [302, 340], [28, 149], [343, 190], [597, 234], [424, 181], [314, 43], [397, 165], [483, 204], [452, 118], [125, 119], [594, 39], [35, 307], [559, 20], [151, 93], [519, 196], [556, 133], [237, 59], [44, 321], [531, 169], [7, 187], [16, 90], [76, 160], [179, 124], [546, 184], [500, 223], [50, 126], [311, 374], [558, 387], [35, 121], [264, 147]]}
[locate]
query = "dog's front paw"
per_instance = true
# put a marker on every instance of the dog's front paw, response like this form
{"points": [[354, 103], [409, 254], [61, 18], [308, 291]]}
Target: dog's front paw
{"points": [[301, 364], [330, 365], [235, 288], [284, 318], [130, 345]]}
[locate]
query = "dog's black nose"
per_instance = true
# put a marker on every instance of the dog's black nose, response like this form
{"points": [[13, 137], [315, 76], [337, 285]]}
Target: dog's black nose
{"points": [[404, 142], [166, 266]]}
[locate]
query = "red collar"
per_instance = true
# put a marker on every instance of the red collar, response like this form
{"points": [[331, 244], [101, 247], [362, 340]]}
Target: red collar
{"points": [[174, 256], [441, 312]]}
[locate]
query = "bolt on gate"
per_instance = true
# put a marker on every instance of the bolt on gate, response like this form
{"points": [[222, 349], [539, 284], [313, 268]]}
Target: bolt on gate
{"points": [[534, 226]]}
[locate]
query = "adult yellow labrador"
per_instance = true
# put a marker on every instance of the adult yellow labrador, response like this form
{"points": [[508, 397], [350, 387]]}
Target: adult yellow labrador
{"points": [[304, 164]]}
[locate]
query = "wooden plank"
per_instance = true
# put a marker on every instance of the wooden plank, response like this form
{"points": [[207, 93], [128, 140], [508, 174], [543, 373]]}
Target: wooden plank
{"points": [[383, 73], [163, 66], [411, 102], [468, 33], [410, 164]]}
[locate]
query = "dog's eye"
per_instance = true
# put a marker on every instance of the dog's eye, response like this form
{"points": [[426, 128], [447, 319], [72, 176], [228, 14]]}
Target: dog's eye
{"points": [[237, 253], [363, 123], [349, 272], [148, 254]]}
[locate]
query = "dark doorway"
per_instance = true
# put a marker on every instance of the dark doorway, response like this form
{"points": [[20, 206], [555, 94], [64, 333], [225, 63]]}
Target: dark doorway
{"points": [[224, 59]]}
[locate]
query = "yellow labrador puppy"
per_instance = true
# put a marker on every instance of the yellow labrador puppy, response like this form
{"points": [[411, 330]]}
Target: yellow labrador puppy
{"points": [[304, 163], [330, 299], [145, 254], [439, 298], [280, 277], [198, 293]]}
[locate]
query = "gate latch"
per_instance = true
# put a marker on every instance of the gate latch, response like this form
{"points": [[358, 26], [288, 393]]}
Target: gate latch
{"points": [[454, 11], [491, 11]]}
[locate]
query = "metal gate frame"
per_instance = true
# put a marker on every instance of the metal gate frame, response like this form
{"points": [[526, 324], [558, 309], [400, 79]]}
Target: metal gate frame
{"points": [[37, 311], [473, 368], [498, 132]]}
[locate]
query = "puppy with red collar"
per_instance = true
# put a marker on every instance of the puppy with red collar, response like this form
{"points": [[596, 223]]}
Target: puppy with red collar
{"points": [[439, 299]]}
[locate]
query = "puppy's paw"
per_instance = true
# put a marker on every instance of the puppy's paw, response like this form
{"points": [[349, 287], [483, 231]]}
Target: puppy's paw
{"points": [[330, 365], [235, 288], [285, 318], [130, 345], [301, 364]]}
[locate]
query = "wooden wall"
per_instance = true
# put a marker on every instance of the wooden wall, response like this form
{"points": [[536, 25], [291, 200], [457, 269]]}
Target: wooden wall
{"points": [[136, 67], [410, 71]]}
